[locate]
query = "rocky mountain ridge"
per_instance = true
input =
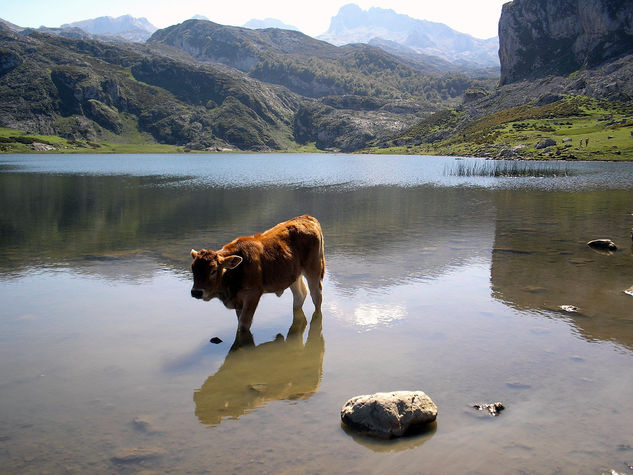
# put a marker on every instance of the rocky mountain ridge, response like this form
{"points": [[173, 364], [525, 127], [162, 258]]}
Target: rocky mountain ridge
{"points": [[256, 24], [354, 25], [125, 26]]}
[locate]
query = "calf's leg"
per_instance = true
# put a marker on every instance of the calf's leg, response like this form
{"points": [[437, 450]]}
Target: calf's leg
{"points": [[316, 290], [247, 310], [299, 293]]}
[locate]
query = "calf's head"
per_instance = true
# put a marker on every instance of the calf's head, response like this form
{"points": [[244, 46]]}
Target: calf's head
{"points": [[208, 268]]}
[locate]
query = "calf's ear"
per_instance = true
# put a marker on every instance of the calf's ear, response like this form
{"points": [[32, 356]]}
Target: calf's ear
{"points": [[194, 253], [231, 262]]}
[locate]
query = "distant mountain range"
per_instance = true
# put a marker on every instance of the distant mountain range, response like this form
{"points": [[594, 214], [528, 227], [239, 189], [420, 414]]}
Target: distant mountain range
{"points": [[269, 23], [354, 25], [419, 41], [206, 86], [126, 26]]}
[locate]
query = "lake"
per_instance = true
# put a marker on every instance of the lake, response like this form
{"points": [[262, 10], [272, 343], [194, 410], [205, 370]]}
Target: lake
{"points": [[441, 281]]}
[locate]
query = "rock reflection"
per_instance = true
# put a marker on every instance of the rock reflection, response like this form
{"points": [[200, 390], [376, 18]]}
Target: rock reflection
{"points": [[390, 446], [251, 376]]}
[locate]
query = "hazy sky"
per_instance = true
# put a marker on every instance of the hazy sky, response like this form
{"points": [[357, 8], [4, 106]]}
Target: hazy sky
{"points": [[476, 17]]}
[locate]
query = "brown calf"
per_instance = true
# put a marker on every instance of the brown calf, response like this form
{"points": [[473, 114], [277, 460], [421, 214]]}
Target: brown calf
{"points": [[244, 269]]}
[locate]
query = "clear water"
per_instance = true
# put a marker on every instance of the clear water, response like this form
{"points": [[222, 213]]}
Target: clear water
{"points": [[435, 282]]}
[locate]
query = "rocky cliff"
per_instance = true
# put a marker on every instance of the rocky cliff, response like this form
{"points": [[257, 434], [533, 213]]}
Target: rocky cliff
{"points": [[557, 37]]}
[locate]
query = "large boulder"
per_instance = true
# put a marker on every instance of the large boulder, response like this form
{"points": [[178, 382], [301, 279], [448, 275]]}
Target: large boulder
{"points": [[387, 415], [544, 143]]}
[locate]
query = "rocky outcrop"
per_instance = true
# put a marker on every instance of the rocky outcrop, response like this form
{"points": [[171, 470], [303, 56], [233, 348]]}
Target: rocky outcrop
{"points": [[553, 37], [387, 415], [8, 61], [544, 143]]}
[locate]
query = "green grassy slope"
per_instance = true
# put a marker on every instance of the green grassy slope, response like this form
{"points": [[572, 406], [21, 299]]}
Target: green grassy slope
{"points": [[582, 128]]}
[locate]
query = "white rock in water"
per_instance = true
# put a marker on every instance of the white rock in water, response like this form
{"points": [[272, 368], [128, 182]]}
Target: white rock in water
{"points": [[387, 415], [569, 308]]}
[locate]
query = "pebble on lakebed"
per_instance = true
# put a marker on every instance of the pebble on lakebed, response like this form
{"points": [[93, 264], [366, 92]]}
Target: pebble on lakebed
{"points": [[387, 415]]}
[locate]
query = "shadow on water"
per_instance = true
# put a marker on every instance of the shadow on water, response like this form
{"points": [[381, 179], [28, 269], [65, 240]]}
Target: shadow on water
{"points": [[253, 375]]}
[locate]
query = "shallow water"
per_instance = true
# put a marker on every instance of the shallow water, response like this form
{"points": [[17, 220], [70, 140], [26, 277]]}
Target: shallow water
{"points": [[451, 285]]}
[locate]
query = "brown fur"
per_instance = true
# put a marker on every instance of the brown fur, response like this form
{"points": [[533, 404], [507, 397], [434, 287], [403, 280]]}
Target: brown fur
{"points": [[244, 269]]}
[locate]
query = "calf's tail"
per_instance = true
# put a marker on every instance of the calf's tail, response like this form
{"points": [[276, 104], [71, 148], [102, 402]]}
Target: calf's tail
{"points": [[322, 256]]}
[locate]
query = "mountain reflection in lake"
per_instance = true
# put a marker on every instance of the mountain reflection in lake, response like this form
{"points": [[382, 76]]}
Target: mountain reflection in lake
{"points": [[452, 285]]}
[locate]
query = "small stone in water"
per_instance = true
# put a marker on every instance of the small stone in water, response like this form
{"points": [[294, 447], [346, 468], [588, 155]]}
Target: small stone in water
{"points": [[569, 308], [215, 340], [603, 244], [493, 409]]}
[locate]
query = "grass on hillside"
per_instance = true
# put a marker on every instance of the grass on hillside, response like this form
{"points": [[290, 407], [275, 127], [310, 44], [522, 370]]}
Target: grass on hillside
{"points": [[583, 128], [19, 141]]}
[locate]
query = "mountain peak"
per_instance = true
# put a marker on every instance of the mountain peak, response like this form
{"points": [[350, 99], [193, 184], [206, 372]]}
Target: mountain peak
{"points": [[255, 24], [125, 26], [355, 25]]}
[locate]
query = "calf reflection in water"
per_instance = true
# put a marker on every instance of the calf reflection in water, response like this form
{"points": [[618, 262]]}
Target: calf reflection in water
{"points": [[251, 376]]}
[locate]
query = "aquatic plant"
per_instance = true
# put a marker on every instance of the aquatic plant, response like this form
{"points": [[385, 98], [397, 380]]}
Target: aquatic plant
{"points": [[506, 168]]}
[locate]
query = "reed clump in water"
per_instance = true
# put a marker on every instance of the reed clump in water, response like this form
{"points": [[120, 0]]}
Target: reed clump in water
{"points": [[505, 168]]}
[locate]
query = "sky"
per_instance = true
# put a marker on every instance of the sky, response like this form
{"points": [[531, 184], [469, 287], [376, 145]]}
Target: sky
{"points": [[478, 18]]}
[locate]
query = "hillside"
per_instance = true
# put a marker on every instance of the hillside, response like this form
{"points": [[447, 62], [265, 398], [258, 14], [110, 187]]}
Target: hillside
{"points": [[359, 92], [566, 93], [201, 85], [96, 91]]}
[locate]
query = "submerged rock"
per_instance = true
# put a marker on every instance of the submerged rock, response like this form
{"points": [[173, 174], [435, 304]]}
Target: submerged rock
{"points": [[388, 415], [602, 244], [136, 455]]}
